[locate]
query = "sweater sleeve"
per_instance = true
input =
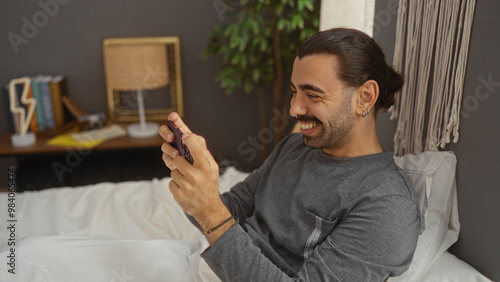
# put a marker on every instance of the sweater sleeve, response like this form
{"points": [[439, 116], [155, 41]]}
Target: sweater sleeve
{"points": [[370, 244]]}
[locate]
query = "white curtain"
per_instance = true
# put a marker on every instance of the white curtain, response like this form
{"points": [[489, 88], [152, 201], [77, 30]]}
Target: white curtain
{"points": [[357, 14]]}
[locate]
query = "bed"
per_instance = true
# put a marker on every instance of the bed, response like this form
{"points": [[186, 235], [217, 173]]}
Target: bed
{"points": [[134, 231]]}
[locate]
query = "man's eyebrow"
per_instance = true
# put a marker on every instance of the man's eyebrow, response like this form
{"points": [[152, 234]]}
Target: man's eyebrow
{"points": [[308, 86]]}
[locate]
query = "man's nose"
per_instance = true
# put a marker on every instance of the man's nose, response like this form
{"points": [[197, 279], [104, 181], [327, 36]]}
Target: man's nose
{"points": [[298, 106]]}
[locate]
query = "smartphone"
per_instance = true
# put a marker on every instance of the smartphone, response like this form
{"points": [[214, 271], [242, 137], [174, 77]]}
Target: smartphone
{"points": [[178, 144]]}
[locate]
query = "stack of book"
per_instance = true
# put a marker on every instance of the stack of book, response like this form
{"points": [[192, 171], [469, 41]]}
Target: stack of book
{"points": [[53, 109]]}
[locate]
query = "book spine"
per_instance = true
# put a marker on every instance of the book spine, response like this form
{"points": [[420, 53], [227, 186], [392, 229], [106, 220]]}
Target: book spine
{"points": [[47, 104], [73, 108], [57, 91], [39, 106], [8, 113]]}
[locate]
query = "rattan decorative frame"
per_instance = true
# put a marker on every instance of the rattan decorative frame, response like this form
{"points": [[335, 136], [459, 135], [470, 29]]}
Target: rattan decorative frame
{"points": [[115, 109]]}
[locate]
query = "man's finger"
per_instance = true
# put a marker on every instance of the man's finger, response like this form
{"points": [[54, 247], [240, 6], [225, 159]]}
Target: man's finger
{"points": [[169, 150], [200, 140], [168, 160], [165, 133], [177, 176], [196, 149], [174, 117], [174, 188]]}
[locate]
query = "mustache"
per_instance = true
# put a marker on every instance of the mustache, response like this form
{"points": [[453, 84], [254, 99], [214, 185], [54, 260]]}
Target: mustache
{"points": [[307, 118]]}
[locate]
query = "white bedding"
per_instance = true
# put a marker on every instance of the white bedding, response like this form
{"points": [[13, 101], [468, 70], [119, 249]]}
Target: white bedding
{"points": [[103, 232], [85, 258], [134, 231]]}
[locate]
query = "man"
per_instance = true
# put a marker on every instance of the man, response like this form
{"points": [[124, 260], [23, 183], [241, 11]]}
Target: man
{"points": [[327, 204]]}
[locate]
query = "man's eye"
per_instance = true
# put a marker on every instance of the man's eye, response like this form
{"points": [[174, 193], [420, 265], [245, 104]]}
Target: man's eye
{"points": [[312, 96], [292, 91]]}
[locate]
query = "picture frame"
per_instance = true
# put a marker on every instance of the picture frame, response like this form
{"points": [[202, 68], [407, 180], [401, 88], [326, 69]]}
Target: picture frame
{"points": [[120, 109]]}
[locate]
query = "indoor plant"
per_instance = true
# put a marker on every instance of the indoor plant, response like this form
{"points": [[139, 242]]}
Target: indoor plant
{"points": [[257, 49]]}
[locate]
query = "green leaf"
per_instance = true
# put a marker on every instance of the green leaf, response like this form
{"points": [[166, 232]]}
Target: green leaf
{"points": [[256, 41], [263, 45], [297, 21], [248, 86], [228, 30], [300, 5], [255, 27], [243, 61], [235, 60], [256, 75], [282, 24], [309, 4], [279, 9], [234, 42]]}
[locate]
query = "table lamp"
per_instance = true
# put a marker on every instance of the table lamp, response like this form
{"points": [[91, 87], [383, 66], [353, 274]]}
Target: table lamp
{"points": [[23, 138], [137, 67]]}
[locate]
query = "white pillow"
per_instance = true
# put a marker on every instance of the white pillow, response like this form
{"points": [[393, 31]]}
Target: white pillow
{"points": [[433, 177], [229, 178], [448, 268]]}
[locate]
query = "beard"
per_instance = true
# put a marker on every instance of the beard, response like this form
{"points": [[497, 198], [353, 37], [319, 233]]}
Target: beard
{"points": [[335, 131]]}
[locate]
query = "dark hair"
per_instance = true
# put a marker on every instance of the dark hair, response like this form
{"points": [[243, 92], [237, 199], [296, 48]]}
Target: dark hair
{"points": [[359, 59]]}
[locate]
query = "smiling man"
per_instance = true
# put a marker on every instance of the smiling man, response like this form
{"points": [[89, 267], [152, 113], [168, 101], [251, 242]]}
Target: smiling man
{"points": [[328, 204], [322, 107]]}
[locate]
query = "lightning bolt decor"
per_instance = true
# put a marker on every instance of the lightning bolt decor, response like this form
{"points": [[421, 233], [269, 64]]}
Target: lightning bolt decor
{"points": [[23, 138]]}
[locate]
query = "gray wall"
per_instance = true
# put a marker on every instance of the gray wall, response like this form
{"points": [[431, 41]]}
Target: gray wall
{"points": [[70, 40], [70, 43], [478, 154]]}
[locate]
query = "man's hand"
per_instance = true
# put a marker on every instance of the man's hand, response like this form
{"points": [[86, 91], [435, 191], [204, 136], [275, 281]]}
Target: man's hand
{"points": [[195, 187], [169, 152]]}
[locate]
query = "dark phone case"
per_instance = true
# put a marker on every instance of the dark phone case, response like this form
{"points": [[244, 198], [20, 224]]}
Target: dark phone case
{"points": [[178, 144]]}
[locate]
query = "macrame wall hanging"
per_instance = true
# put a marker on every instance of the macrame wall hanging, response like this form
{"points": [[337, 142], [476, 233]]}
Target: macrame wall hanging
{"points": [[432, 44]]}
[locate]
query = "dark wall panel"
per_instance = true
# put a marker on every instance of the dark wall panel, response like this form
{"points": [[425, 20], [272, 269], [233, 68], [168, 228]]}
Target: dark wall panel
{"points": [[478, 169]]}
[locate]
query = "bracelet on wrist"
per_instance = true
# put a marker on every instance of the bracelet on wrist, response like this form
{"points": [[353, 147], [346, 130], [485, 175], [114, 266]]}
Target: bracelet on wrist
{"points": [[236, 220]]}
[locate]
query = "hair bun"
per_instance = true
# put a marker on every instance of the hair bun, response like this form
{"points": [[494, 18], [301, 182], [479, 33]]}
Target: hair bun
{"points": [[359, 59], [392, 85]]}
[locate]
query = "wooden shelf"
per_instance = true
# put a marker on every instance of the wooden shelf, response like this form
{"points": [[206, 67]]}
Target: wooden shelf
{"points": [[41, 147], [114, 160]]}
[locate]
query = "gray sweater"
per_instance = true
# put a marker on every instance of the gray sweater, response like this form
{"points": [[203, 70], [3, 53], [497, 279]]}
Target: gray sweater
{"points": [[307, 216]]}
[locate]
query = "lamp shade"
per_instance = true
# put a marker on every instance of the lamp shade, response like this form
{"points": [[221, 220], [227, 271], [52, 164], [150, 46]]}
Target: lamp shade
{"points": [[135, 66]]}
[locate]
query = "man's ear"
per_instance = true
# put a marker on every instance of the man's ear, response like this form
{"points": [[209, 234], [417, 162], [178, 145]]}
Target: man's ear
{"points": [[367, 96]]}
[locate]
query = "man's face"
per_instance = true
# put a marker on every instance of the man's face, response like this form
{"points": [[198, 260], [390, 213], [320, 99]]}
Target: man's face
{"points": [[322, 104]]}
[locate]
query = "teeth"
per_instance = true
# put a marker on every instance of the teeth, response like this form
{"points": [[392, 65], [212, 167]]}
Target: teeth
{"points": [[307, 125]]}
